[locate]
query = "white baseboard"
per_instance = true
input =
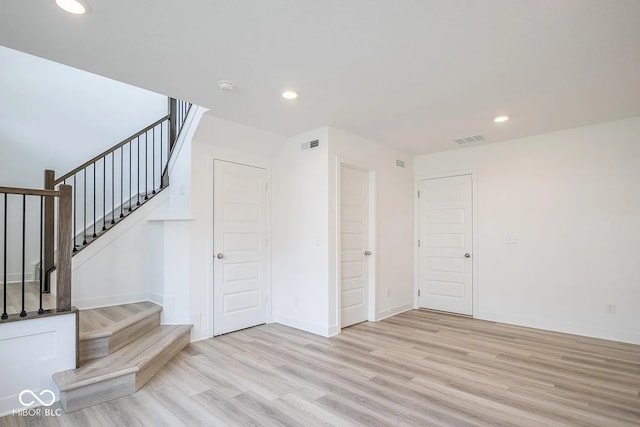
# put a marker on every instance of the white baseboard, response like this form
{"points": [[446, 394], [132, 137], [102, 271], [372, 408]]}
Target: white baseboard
{"points": [[393, 311], [17, 277], [333, 331], [549, 325], [156, 298], [88, 303], [313, 328]]}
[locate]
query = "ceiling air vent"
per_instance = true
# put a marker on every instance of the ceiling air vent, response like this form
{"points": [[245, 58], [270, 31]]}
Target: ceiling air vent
{"points": [[312, 144], [468, 139]]}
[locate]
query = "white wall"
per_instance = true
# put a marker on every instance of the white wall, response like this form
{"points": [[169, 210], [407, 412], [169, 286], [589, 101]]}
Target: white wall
{"points": [[572, 199], [301, 234], [188, 228], [57, 117], [393, 246], [305, 229], [30, 352], [121, 266]]}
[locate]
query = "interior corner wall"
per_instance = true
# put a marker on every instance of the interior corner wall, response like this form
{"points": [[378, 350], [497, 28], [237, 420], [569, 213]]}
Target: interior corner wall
{"points": [[571, 198], [300, 234], [393, 246], [189, 232], [134, 246]]}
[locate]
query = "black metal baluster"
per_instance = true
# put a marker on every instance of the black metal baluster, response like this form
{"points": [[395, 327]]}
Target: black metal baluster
{"points": [[4, 255], [104, 193], [75, 205], [130, 181], [161, 165], [153, 161], [41, 310], [84, 209], [23, 313], [138, 167], [121, 181], [94, 201], [113, 188], [146, 166]]}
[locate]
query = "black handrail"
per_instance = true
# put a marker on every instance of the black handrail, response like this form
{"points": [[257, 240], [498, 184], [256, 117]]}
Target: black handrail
{"points": [[110, 150], [161, 135]]}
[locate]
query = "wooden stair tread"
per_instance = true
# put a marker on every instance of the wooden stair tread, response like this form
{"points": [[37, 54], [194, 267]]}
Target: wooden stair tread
{"points": [[129, 359], [106, 321]]}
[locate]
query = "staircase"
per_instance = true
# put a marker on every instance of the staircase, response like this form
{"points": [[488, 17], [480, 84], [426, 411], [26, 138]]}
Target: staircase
{"points": [[120, 349]]}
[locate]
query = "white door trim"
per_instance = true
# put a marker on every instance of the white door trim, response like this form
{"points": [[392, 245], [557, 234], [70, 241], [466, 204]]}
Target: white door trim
{"points": [[211, 240], [372, 241], [474, 233]]}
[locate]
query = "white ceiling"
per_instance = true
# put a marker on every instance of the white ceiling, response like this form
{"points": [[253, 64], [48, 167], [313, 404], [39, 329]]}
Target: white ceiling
{"points": [[414, 74]]}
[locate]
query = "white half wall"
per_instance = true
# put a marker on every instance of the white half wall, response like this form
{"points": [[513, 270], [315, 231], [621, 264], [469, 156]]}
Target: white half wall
{"points": [[392, 251], [571, 200], [30, 352]]}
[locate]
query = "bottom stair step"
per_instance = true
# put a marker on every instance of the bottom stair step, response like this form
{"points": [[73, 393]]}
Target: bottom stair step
{"points": [[122, 372]]}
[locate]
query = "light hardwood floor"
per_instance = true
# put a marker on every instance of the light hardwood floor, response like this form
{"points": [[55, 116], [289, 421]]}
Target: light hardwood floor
{"points": [[419, 368]]}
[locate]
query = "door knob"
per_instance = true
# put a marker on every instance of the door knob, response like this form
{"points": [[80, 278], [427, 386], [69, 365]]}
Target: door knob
{"points": [[467, 255], [367, 253], [219, 256]]}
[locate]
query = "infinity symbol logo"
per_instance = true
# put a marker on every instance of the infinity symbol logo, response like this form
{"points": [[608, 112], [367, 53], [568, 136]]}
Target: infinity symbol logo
{"points": [[31, 401]]}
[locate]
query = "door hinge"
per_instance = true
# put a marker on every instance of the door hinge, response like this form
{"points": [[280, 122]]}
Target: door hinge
{"points": [[418, 243], [418, 194], [266, 186], [418, 292]]}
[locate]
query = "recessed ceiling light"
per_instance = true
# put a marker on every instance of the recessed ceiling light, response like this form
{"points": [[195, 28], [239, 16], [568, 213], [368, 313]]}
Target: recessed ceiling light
{"points": [[501, 119], [289, 94], [72, 6]]}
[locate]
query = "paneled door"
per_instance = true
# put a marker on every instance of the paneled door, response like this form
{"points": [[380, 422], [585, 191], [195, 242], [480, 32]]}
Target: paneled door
{"points": [[354, 245], [239, 232], [446, 252]]}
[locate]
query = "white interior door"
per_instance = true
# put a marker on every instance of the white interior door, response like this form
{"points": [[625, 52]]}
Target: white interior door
{"points": [[446, 227], [239, 230], [354, 243]]}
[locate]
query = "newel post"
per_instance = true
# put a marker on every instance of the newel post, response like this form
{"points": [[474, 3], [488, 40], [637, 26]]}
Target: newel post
{"points": [[48, 260], [173, 122], [65, 248]]}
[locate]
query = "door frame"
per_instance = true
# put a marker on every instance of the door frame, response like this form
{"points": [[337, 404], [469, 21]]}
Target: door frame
{"points": [[212, 251], [371, 273], [474, 233]]}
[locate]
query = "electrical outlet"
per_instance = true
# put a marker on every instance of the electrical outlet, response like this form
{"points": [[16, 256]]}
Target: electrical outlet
{"points": [[387, 292], [510, 239], [611, 309]]}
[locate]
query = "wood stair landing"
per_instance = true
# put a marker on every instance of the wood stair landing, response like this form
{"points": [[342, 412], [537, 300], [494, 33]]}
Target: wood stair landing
{"points": [[136, 346]]}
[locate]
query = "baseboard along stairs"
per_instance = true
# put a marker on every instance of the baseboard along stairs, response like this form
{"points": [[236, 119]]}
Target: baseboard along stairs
{"points": [[120, 349]]}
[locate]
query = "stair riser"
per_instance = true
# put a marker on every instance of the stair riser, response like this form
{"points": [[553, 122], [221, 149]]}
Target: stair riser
{"points": [[152, 368], [93, 394], [102, 346]]}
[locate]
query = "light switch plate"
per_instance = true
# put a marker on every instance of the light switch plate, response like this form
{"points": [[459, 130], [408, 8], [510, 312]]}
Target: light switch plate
{"points": [[510, 239]]}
